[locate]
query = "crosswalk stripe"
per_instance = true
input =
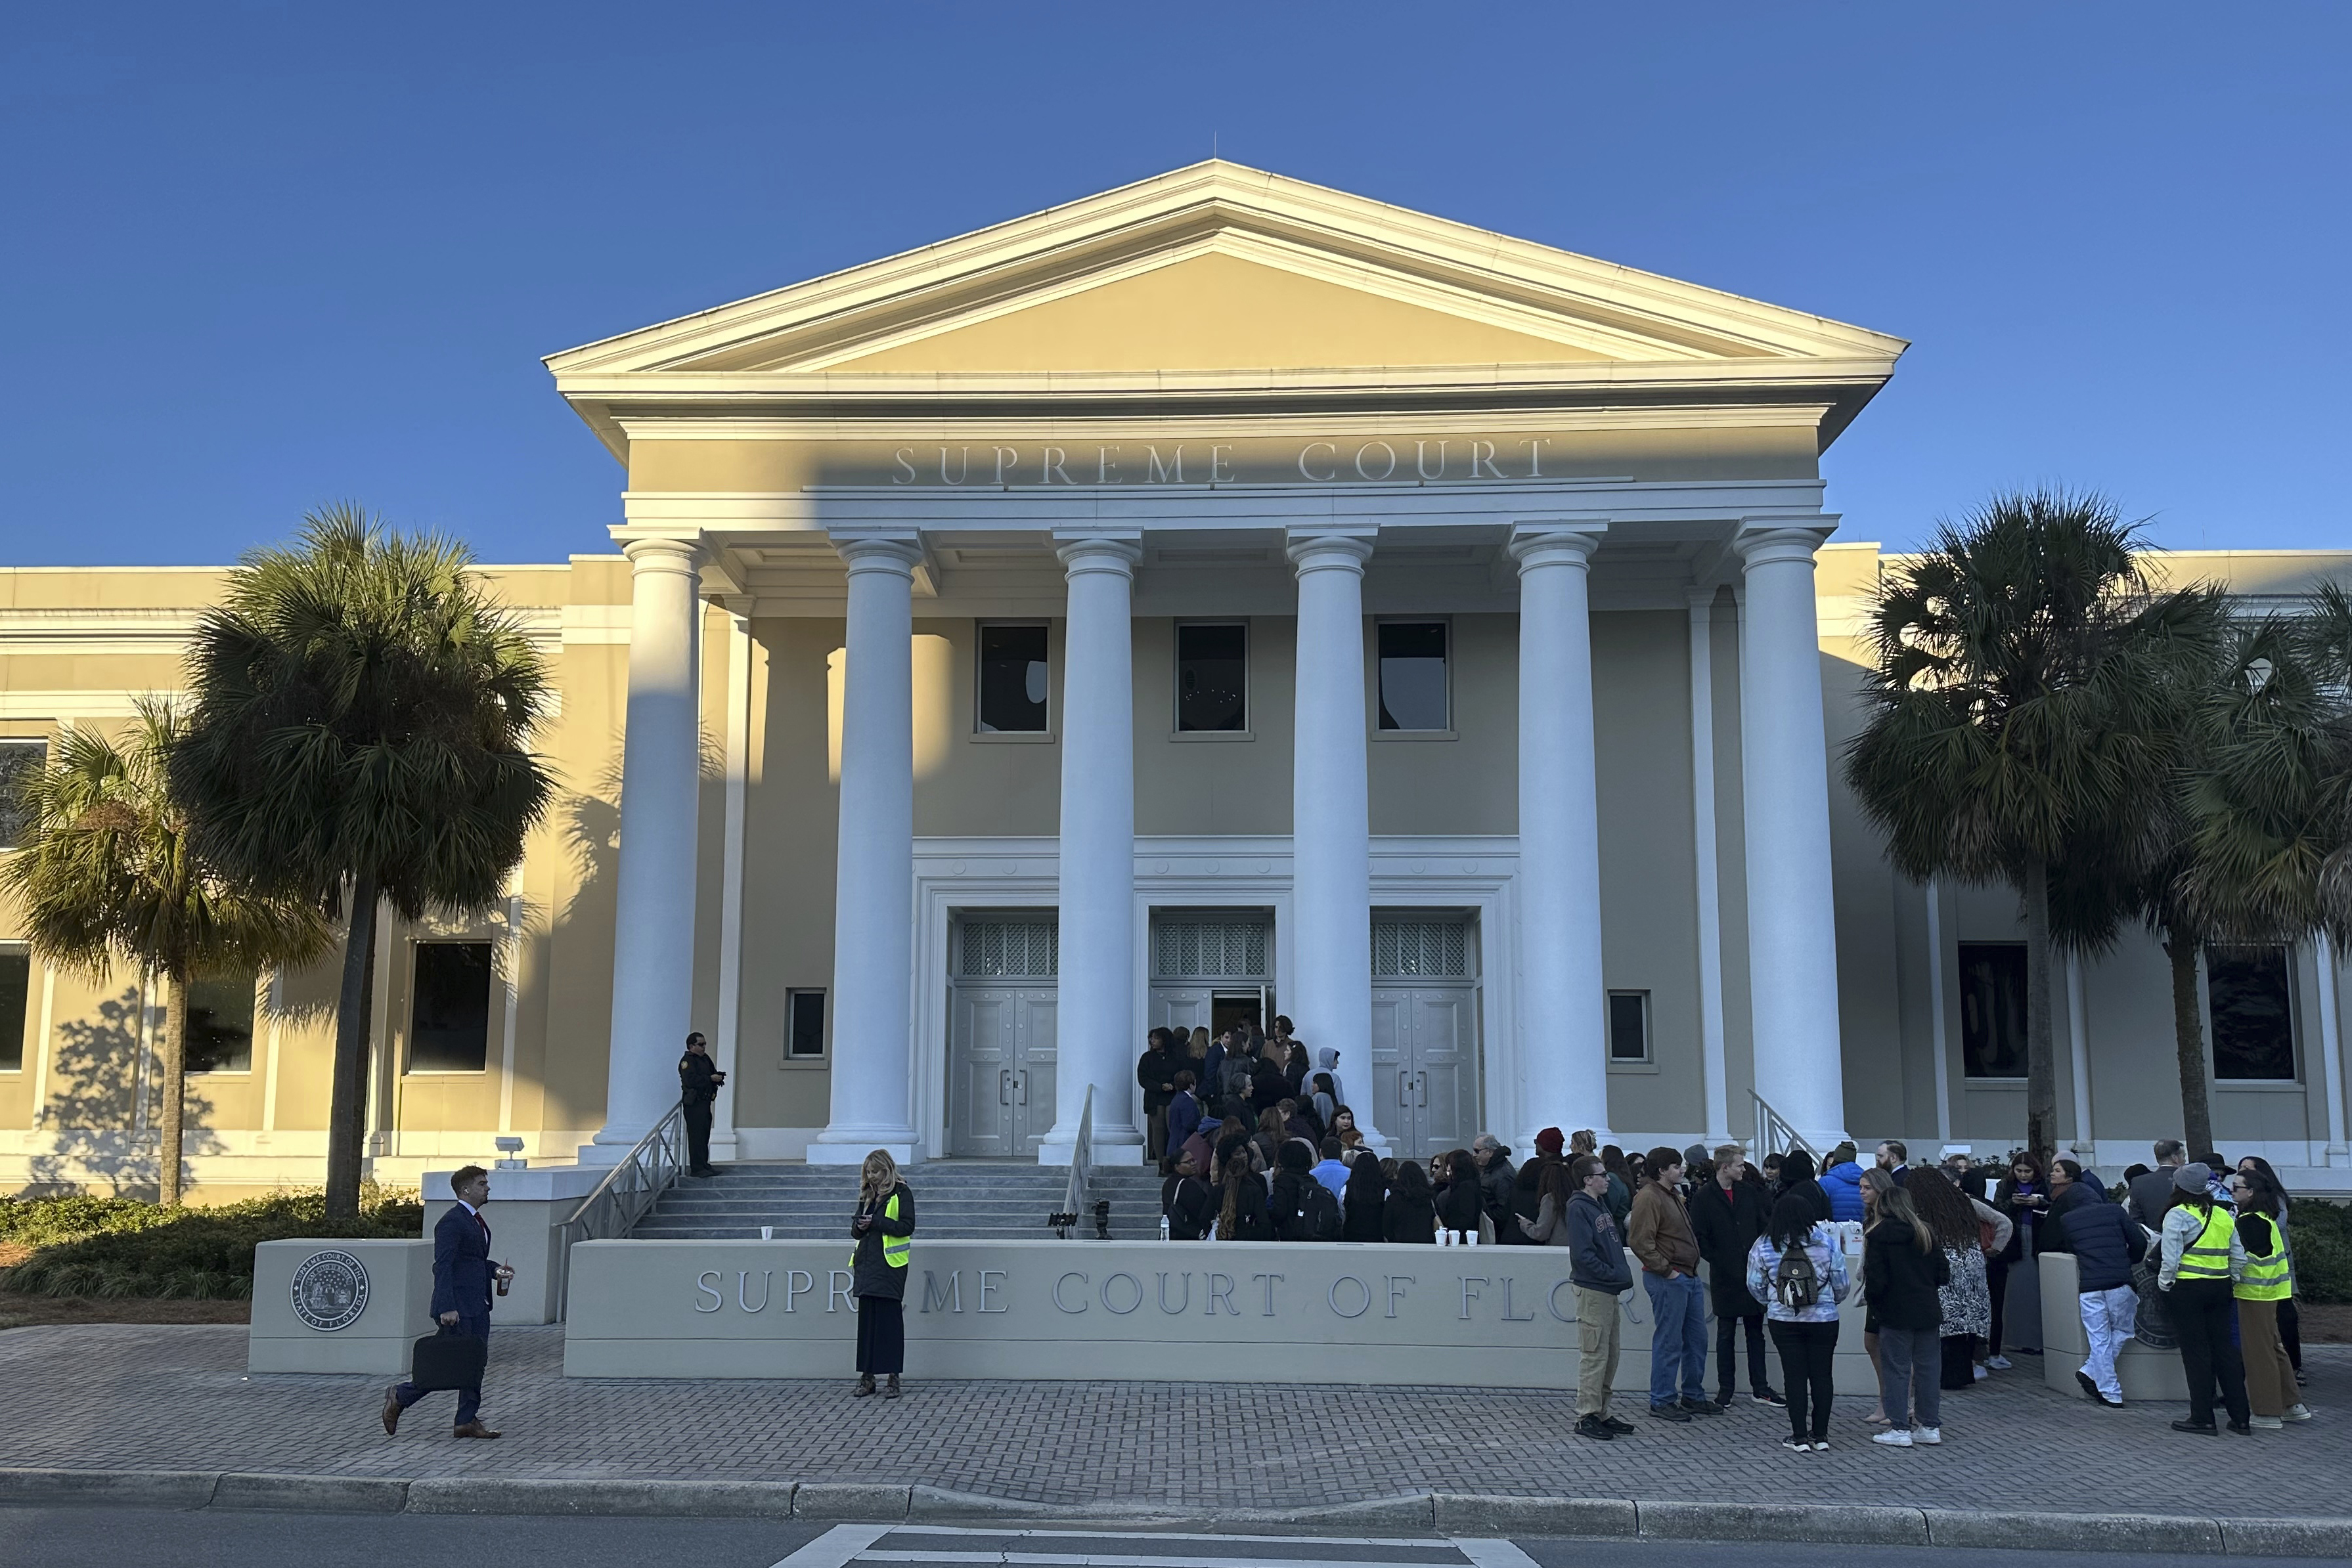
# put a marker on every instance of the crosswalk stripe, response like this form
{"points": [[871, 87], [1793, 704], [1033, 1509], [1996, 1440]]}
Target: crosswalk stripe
{"points": [[1120, 1560], [1424, 1542]]}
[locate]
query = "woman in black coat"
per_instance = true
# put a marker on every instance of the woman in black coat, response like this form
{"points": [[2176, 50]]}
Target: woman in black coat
{"points": [[1410, 1215], [1462, 1199], [1362, 1200], [1245, 1214], [1903, 1272]]}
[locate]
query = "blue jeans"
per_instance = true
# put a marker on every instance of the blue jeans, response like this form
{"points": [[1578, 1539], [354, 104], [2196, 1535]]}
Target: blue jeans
{"points": [[1677, 1337]]}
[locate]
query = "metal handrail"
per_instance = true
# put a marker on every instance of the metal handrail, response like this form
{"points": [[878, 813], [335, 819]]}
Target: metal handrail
{"points": [[630, 1188], [1082, 1159], [1774, 1133]]}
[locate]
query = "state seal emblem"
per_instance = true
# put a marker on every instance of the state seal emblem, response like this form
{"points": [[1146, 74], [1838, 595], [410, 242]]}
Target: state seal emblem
{"points": [[330, 1290]]}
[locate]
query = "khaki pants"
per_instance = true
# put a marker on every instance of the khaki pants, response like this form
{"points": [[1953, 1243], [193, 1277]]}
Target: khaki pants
{"points": [[2269, 1377], [1596, 1360]]}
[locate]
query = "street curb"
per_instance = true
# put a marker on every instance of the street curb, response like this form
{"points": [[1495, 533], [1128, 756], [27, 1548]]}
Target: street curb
{"points": [[2075, 1531], [1463, 1513], [122, 1489], [1841, 1524], [1450, 1513], [310, 1494], [617, 1497]]}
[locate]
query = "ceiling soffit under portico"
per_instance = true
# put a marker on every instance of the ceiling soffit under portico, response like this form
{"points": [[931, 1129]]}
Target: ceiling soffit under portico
{"points": [[1220, 290]]}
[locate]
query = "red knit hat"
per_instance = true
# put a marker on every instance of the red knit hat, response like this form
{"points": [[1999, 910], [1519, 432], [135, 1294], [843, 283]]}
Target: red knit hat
{"points": [[1550, 1139]]}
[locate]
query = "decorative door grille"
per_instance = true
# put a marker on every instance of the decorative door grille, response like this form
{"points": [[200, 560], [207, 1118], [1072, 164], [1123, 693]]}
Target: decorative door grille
{"points": [[1405, 949], [1030, 950], [1209, 949]]}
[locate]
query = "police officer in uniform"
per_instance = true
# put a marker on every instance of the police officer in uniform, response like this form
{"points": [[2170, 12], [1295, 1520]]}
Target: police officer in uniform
{"points": [[699, 1078]]}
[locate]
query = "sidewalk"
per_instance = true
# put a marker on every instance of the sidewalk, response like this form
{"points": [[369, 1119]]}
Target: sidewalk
{"points": [[141, 1397]]}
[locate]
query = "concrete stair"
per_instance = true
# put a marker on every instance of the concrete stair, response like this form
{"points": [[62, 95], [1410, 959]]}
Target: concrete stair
{"points": [[1004, 1200]]}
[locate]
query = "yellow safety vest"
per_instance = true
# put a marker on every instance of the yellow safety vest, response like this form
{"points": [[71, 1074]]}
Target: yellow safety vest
{"points": [[2208, 1257], [2266, 1278], [895, 1249]]}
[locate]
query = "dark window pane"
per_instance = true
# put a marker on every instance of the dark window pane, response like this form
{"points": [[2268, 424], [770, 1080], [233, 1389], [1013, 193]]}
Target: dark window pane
{"points": [[19, 760], [15, 987], [1993, 1009], [1212, 677], [806, 1024], [220, 1025], [2253, 1013], [1412, 674], [1629, 1026], [449, 1026], [1013, 680]]}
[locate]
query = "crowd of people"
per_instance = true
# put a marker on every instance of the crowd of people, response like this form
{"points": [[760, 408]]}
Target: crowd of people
{"points": [[1256, 1142]]}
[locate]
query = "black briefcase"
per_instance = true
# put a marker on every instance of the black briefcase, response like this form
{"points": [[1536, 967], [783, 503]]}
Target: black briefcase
{"points": [[450, 1358]]}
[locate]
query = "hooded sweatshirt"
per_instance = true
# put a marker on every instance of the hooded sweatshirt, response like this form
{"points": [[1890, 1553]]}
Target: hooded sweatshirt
{"points": [[1327, 1059]]}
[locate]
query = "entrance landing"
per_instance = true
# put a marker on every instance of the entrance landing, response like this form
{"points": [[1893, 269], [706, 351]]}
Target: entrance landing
{"points": [[980, 1200]]}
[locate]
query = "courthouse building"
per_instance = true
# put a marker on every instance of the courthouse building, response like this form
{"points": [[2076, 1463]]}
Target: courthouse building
{"points": [[1215, 597]]}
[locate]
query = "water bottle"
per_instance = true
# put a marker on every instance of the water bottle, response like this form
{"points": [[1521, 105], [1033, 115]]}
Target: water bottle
{"points": [[1164, 1228]]}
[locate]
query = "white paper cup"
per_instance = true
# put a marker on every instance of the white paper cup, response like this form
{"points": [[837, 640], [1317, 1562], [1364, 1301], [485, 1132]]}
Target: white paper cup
{"points": [[767, 1233]]}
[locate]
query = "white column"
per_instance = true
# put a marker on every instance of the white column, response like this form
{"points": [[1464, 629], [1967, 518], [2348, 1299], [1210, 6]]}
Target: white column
{"points": [[874, 895], [653, 915], [726, 1047], [1791, 907], [1563, 1009], [1094, 1018], [2078, 1045], [2331, 1050], [1330, 818], [1938, 1031], [1710, 898]]}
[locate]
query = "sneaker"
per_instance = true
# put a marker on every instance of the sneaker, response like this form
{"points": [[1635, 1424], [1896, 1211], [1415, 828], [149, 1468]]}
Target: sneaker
{"points": [[2198, 1429], [1927, 1437], [2298, 1412], [2089, 1387], [1820, 1445], [2111, 1404], [1594, 1427], [1620, 1428], [2268, 1424], [1997, 1363], [1769, 1397], [1674, 1413], [1702, 1407], [1978, 1373], [1893, 1440], [1794, 1447]]}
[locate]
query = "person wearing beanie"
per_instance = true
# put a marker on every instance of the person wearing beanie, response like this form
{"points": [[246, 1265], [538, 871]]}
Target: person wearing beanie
{"points": [[2204, 1260]]}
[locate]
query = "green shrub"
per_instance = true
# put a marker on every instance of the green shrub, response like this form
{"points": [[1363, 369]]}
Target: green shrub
{"points": [[2321, 1234], [111, 1247]]}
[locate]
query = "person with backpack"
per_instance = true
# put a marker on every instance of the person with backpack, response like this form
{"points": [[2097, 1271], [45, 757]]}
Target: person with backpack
{"points": [[1243, 1215], [1185, 1200], [1798, 1270]]}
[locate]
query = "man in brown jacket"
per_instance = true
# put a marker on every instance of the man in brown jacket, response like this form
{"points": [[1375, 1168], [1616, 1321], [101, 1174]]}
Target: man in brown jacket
{"points": [[1659, 1232]]}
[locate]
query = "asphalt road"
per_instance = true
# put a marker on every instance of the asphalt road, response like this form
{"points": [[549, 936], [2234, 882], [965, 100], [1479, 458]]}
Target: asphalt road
{"points": [[74, 1537]]}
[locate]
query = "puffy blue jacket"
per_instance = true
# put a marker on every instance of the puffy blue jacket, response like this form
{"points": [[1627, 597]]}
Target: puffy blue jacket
{"points": [[1843, 1184], [2102, 1237]]}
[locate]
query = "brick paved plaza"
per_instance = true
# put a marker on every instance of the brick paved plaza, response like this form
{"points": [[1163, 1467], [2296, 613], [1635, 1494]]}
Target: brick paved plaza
{"points": [[121, 1396]]}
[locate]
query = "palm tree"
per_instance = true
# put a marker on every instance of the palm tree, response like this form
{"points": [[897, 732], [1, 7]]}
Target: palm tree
{"points": [[362, 712], [2016, 714], [109, 872], [2258, 832]]}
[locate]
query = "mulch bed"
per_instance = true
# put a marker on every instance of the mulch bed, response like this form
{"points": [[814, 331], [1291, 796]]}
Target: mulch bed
{"points": [[17, 1311]]}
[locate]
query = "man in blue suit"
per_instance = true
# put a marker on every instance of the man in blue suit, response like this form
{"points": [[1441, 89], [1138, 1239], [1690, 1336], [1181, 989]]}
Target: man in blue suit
{"points": [[464, 1277]]}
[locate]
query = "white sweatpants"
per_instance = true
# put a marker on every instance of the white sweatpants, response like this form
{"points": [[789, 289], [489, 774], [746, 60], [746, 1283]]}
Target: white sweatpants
{"points": [[2109, 1317]]}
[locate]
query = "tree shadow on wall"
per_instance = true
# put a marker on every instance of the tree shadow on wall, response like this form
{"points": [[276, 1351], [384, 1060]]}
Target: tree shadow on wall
{"points": [[89, 1118]]}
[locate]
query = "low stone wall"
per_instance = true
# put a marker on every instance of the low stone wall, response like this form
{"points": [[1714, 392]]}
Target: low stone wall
{"points": [[339, 1306], [1499, 1317], [2144, 1371]]}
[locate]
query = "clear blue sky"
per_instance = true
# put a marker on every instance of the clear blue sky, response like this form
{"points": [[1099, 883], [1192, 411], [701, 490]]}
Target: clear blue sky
{"points": [[257, 257]]}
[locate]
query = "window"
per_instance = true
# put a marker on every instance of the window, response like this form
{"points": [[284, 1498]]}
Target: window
{"points": [[1993, 1009], [16, 993], [1404, 949], [1629, 1026], [19, 760], [1022, 947], [220, 1025], [803, 1026], [1212, 679], [1013, 677], [1413, 676], [450, 1016], [2250, 993]]}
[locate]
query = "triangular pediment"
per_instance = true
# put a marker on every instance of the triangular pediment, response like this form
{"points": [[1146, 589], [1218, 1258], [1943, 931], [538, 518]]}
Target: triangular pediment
{"points": [[1211, 270]]}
